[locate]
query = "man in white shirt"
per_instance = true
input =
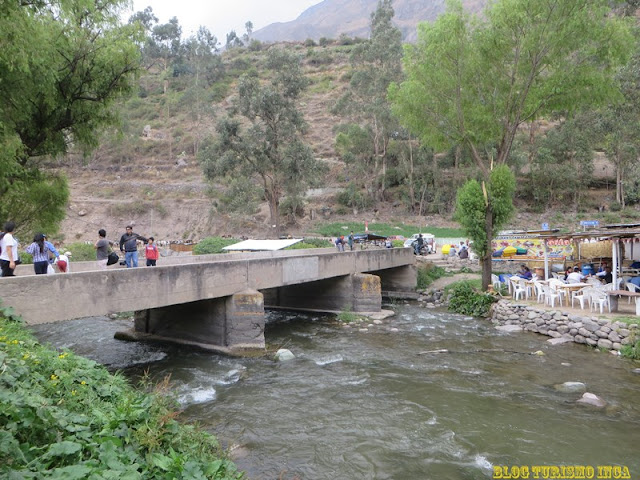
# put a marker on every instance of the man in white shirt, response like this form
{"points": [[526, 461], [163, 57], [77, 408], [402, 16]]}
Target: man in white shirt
{"points": [[575, 276]]}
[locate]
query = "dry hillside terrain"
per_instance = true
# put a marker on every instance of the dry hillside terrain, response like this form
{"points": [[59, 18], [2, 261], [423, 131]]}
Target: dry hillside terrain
{"points": [[147, 173]]}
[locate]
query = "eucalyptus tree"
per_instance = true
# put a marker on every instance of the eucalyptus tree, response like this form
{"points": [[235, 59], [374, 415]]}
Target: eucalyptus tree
{"points": [[62, 64], [266, 144], [376, 63], [474, 81]]}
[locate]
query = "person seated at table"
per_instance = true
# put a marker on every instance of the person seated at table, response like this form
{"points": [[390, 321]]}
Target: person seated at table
{"points": [[575, 276], [568, 272], [608, 276], [525, 272], [602, 271]]}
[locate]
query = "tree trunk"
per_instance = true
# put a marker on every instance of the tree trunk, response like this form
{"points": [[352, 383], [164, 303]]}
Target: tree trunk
{"points": [[486, 261]]}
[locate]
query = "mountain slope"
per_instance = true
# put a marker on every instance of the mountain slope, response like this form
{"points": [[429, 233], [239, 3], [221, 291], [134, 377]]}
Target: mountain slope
{"points": [[331, 18]]}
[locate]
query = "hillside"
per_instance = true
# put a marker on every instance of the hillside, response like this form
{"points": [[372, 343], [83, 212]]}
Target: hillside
{"points": [[147, 174], [332, 18]]}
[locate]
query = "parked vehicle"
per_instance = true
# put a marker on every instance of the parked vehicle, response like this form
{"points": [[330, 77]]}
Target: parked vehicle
{"points": [[429, 243]]}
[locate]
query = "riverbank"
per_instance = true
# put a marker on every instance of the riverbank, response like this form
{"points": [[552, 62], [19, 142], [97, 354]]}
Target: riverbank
{"points": [[65, 416]]}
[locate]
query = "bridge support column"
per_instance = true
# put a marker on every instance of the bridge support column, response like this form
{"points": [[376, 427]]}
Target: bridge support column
{"points": [[357, 292], [399, 279], [225, 324]]}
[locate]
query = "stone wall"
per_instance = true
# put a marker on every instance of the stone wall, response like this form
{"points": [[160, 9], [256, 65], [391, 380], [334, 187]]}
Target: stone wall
{"points": [[564, 327]]}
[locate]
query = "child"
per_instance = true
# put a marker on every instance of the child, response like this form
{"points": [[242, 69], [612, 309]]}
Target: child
{"points": [[151, 252]]}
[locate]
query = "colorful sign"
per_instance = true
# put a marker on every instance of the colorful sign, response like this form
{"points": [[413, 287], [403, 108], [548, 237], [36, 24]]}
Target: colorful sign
{"points": [[514, 246]]}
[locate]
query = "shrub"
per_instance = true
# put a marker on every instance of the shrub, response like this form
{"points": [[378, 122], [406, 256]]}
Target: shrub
{"points": [[80, 252], [63, 416], [301, 245], [467, 300], [428, 273], [319, 242], [631, 350], [211, 245]]}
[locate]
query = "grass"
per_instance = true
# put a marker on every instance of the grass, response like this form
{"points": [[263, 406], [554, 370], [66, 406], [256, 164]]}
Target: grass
{"points": [[429, 273], [63, 416], [342, 228]]}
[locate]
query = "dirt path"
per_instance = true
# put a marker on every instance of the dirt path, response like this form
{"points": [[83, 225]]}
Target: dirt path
{"points": [[442, 282]]}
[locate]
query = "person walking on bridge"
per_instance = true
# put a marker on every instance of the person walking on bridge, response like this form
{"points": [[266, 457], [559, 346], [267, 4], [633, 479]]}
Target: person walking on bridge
{"points": [[129, 245]]}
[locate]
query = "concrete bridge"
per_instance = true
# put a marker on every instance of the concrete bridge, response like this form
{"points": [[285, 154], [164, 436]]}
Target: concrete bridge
{"points": [[214, 301]]}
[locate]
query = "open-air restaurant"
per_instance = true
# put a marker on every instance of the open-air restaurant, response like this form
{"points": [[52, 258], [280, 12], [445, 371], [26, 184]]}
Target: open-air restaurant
{"points": [[596, 269]]}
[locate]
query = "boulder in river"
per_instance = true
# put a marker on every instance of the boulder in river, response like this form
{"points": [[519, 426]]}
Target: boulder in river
{"points": [[283, 355], [591, 399]]}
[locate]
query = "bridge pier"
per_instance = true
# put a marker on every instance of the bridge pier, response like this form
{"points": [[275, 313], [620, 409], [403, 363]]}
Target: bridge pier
{"points": [[225, 324], [403, 279], [358, 292]]}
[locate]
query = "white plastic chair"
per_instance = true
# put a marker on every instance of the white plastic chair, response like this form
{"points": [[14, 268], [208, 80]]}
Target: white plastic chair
{"points": [[580, 295], [601, 298], [550, 295], [539, 291], [520, 288], [553, 285], [495, 280], [632, 287]]}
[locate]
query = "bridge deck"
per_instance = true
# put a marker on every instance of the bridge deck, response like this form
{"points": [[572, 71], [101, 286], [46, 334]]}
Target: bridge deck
{"points": [[179, 280]]}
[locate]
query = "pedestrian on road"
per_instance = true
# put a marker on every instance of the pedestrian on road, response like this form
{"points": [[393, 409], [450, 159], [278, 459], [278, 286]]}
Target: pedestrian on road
{"points": [[40, 253], [102, 249], [9, 256], [151, 252], [129, 245], [350, 240]]}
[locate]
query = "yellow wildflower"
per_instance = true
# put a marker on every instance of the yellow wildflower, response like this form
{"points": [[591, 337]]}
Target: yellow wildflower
{"points": [[83, 382], [54, 377], [73, 392]]}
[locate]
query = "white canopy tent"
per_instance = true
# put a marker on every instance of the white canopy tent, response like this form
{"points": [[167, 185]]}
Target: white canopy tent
{"points": [[261, 245]]}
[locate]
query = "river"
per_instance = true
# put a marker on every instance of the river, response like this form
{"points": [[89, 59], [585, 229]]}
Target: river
{"points": [[372, 405]]}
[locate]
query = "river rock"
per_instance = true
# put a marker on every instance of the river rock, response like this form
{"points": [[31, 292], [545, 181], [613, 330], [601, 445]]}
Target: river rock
{"points": [[591, 399], [614, 337], [284, 355], [604, 343], [571, 387], [560, 340], [377, 322], [509, 328], [636, 371]]}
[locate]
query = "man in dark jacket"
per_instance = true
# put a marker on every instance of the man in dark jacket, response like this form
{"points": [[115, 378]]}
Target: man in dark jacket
{"points": [[129, 245]]}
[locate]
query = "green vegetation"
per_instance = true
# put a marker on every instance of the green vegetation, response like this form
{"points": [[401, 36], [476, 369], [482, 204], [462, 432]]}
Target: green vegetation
{"points": [[266, 145], [65, 64], [347, 316], [65, 417], [81, 252], [337, 228], [428, 273], [481, 208], [573, 50], [468, 299], [631, 351], [211, 245]]}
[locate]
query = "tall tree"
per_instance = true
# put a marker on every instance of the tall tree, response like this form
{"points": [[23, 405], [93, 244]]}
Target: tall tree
{"points": [[270, 150], [62, 63], [471, 204], [376, 63], [474, 81]]}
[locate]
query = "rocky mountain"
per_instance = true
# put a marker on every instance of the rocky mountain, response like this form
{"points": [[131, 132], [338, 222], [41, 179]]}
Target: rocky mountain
{"points": [[331, 18]]}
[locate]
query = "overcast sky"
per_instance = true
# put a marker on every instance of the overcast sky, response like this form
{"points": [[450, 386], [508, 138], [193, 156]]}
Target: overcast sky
{"points": [[222, 16]]}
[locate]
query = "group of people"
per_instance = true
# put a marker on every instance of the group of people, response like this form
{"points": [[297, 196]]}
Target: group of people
{"points": [[341, 241], [462, 252], [45, 255], [573, 274]]}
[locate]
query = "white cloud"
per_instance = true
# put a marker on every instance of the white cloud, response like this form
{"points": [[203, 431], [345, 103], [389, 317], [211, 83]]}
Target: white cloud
{"points": [[222, 16]]}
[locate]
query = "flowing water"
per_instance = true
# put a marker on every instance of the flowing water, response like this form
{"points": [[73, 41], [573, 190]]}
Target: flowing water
{"points": [[373, 405]]}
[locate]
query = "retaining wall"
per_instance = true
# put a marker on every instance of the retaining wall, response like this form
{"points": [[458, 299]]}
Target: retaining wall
{"points": [[566, 327]]}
